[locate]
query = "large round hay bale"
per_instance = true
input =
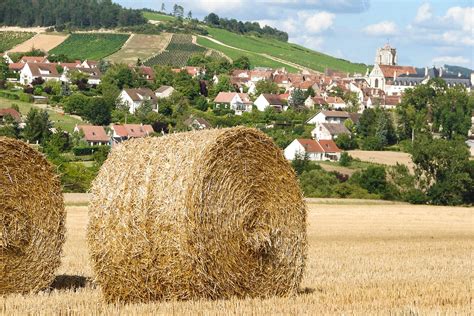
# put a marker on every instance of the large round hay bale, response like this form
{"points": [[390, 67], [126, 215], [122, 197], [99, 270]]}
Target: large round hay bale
{"points": [[31, 219], [210, 214]]}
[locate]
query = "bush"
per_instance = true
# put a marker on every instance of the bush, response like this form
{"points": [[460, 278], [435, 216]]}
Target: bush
{"points": [[345, 160], [86, 150], [346, 142], [26, 98], [9, 95]]}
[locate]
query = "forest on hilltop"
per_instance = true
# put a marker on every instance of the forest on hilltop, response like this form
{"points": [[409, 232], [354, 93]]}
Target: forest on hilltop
{"points": [[68, 13]]}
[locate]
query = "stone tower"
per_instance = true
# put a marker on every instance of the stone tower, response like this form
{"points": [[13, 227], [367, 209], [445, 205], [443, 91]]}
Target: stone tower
{"points": [[386, 56]]}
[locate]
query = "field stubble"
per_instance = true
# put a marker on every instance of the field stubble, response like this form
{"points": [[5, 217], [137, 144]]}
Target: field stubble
{"points": [[376, 259]]}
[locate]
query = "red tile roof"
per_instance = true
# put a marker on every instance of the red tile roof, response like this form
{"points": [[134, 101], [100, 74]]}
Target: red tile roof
{"points": [[43, 70], [334, 100], [141, 94], [329, 146], [389, 71], [16, 66], [94, 133], [33, 59], [12, 112], [336, 114], [310, 145], [226, 97]]}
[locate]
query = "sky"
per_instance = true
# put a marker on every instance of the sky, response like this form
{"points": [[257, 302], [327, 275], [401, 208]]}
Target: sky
{"points": [[424, 32]]}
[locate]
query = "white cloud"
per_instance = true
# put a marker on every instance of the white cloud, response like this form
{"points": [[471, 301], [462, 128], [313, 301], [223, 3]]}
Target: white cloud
{"points": [[463, 17], [383, 28], [452, 60], [424, 13], [316, 22], [312, 42]]}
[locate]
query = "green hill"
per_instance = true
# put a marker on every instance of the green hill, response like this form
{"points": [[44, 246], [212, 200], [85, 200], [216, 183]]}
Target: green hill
{"points": [[266, 52], [285, 51]]}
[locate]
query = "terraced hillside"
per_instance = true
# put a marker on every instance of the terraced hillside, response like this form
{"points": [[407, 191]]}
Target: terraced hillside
{"points": [[177, 53], [8, 39], [42, 41], [292, 53], [140, 46], [255, 59], [91, 45]]}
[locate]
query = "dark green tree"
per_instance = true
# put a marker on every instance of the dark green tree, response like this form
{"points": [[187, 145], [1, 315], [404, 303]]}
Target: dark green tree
{"points": [[37, 126]]}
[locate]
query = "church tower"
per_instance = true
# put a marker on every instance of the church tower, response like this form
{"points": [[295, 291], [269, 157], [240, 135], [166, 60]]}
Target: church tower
{"points": [[386, 56]]}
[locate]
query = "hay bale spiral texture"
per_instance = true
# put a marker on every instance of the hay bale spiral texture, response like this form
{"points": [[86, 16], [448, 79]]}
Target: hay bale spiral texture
{"points": [[200, 215], [32, 219]]}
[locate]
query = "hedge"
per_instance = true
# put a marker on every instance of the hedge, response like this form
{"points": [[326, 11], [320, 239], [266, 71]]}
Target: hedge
{"points": [[85, 150]]}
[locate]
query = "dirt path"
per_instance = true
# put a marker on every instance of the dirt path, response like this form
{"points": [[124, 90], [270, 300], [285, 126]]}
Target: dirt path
{"points": [[285, 62], [390, 158]]}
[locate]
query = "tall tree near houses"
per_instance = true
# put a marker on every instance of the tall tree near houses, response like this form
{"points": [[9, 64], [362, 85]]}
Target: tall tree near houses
{"points": [[190, 15], [163, 8]]}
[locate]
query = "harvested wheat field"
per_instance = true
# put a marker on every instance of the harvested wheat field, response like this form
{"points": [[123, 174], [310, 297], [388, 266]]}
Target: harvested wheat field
{"points": [[363, 259], [44, 42], [389, 158], [140, 46]]}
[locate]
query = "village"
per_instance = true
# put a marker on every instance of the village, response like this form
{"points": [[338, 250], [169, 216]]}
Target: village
{"points": [[337, 99]]}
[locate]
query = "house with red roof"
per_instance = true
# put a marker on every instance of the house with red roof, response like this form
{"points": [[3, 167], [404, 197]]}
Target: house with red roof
{"points": [[93, 135], [382, 76], [34, 70], [313, 149], [4, 113], [239, 102], [34, 59], [123, 132]]}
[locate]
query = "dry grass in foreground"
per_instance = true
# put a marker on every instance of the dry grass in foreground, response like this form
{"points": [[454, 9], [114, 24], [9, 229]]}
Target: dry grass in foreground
{"points": [[363, 259]]}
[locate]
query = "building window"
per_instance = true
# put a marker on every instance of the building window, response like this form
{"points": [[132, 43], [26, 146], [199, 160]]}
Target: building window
{"points": [[376, 83]]}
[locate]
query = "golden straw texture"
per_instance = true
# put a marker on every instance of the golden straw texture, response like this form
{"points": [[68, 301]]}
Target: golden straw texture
{"points": [[32, 219], [210, 214]]}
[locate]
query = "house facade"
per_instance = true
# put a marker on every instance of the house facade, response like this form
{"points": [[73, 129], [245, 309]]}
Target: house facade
{"points": [[313, 149], [93, 135], [134, 98], [266, 100], [32, 71], [328, 131], [239, 102]]}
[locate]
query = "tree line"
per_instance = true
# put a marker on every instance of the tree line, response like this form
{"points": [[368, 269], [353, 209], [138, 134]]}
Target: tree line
{"points": [[240, 27], [68, 13]]}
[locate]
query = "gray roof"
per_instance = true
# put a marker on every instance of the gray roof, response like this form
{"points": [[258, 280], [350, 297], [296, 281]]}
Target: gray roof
{"points": [[336, 128]]}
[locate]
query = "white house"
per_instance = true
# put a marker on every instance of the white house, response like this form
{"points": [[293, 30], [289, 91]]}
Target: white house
{"points": [[266, 100], [328, 131], [164, 92], [336, 103], [315, 150], [329, 117], [94, 75], [123, 132], [31, 71], [134, 98], [239, 102]]}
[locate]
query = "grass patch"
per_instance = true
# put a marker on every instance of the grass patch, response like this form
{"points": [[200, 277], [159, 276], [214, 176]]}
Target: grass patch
{"points": [[287, 51], [154, 16], [8, 40], [63, 121], [255, 59], [90, 46]]}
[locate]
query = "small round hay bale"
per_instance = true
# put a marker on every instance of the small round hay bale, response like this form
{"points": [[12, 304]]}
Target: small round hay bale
{"points": [[31, 219], [199, 215]]}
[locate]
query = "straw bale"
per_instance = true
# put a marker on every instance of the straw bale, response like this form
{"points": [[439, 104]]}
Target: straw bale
{"points": [[31, 219], [200, 215]]}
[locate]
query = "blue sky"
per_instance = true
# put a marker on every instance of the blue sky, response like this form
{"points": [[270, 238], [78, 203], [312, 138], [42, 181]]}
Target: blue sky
{"points": [[424, 32]]}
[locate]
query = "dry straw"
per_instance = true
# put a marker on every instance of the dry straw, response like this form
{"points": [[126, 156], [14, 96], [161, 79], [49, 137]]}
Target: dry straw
{"points": [[32, 219], [210, 214]]}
